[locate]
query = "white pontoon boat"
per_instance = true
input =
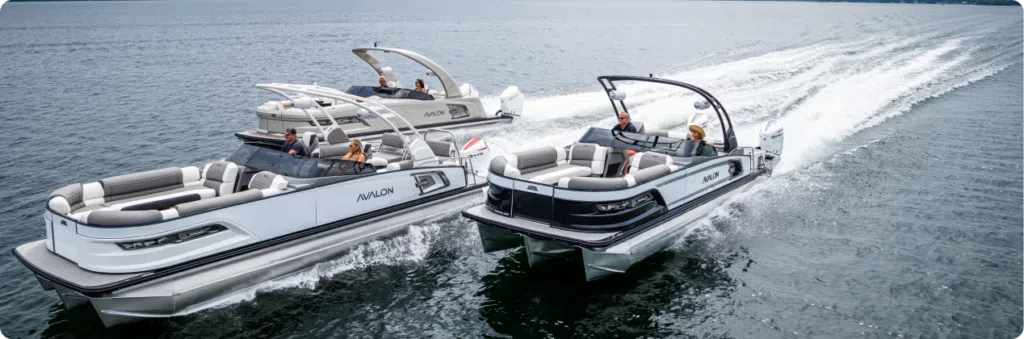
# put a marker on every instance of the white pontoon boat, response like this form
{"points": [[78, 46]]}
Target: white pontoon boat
{"points": [[170, 242], [451, 107], [560, 201]]}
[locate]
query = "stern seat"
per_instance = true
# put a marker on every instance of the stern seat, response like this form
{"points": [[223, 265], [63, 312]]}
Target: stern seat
{"points": [[144, 191], [547, 165], [644, 167], [263, 184]]}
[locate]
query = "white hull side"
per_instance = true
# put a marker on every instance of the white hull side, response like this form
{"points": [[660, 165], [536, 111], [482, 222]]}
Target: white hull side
{"points": [[198, 289]]}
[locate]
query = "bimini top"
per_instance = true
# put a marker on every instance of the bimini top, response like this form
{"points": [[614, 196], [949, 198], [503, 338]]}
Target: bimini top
{"points": [[450, 88], [618, 97]]}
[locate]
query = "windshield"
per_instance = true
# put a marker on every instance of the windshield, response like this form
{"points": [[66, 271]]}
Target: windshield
{"points": [[265, 159], [639, 142], [386, 92]]}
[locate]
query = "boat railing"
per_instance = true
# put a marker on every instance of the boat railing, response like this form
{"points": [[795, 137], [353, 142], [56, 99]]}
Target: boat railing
{"points": [[466, 164]]}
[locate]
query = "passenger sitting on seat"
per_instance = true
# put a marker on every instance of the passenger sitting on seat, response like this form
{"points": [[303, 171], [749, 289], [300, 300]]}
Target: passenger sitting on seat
{"points": [[383, 82], [420, 86], [703, 148], [355, 152], [625, 125], [292, 144]]}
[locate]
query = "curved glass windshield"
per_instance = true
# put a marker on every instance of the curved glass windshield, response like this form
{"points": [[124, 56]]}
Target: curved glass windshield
{"points": [[388, 93], [265, 159], [639, 142]]}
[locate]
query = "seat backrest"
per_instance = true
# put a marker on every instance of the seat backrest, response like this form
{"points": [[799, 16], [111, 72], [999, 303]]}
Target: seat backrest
{"points": [[443, 148], [66, 199], [391, 142], [269, 183], [220, 176], [516, 164], [336, 136], [589, 155], [327, 151], [644, 160], [401, 165], [310, 140], [72, 197]]}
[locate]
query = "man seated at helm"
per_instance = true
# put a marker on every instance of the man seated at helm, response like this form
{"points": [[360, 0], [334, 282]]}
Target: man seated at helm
{"points": [[625, 126], [702, 148], [292, 145]]}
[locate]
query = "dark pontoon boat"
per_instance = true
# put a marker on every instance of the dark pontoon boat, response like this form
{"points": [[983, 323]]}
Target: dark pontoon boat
{"points": [[557, 200]]}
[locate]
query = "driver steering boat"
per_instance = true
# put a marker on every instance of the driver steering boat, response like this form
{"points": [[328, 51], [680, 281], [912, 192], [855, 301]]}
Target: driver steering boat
{"points": [[560, 201], [173, 241], [451, 107]]}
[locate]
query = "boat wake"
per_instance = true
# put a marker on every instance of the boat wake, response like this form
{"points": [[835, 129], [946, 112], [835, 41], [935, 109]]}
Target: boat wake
{"points": [[821, 93]]}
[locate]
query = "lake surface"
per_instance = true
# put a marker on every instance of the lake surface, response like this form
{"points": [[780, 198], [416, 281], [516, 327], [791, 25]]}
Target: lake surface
{"points": [[897, 211]]}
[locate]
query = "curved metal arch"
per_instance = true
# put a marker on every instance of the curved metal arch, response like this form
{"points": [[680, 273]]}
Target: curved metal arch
{"points": [[451, 88], [608, 83], [325, 92]]}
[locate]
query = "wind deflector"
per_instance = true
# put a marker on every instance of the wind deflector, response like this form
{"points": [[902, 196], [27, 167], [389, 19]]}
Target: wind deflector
{"points": [[265, 159], [608, 83]]}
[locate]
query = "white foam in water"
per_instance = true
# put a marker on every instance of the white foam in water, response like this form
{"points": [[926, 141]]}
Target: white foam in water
{"points": [[410, 247], [820, 93]]}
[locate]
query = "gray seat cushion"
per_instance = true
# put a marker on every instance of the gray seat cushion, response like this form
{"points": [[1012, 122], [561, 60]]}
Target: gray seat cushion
{"points": [[124, 218], [552, 174], [329, 151], [202, 191], [597, 184], [196, 207], [387, 155], [650, 173]]}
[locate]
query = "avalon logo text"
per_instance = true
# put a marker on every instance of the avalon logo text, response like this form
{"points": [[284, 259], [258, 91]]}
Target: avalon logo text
{"points": [[710, 177], [375, 194]]}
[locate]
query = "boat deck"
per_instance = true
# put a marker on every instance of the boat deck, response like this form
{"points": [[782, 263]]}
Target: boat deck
{"points": [[36, 254]]}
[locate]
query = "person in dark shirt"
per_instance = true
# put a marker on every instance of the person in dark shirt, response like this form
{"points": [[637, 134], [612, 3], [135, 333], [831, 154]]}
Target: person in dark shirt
{"points": [[624, 125], [292, 145], [382, 81]]}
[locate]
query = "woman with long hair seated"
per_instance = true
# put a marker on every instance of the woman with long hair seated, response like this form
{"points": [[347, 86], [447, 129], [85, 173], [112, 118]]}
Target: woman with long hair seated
{"points": [[420, 86], [355, 152], [702, 148]]}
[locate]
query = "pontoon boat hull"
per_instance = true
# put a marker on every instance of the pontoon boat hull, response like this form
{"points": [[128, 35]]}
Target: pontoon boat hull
{"points": [[193, 290], [498, 232]]}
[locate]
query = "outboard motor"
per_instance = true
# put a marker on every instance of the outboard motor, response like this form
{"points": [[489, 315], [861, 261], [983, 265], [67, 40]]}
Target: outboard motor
{"points": [[512, 102], [478, 154], [771, 143]]}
